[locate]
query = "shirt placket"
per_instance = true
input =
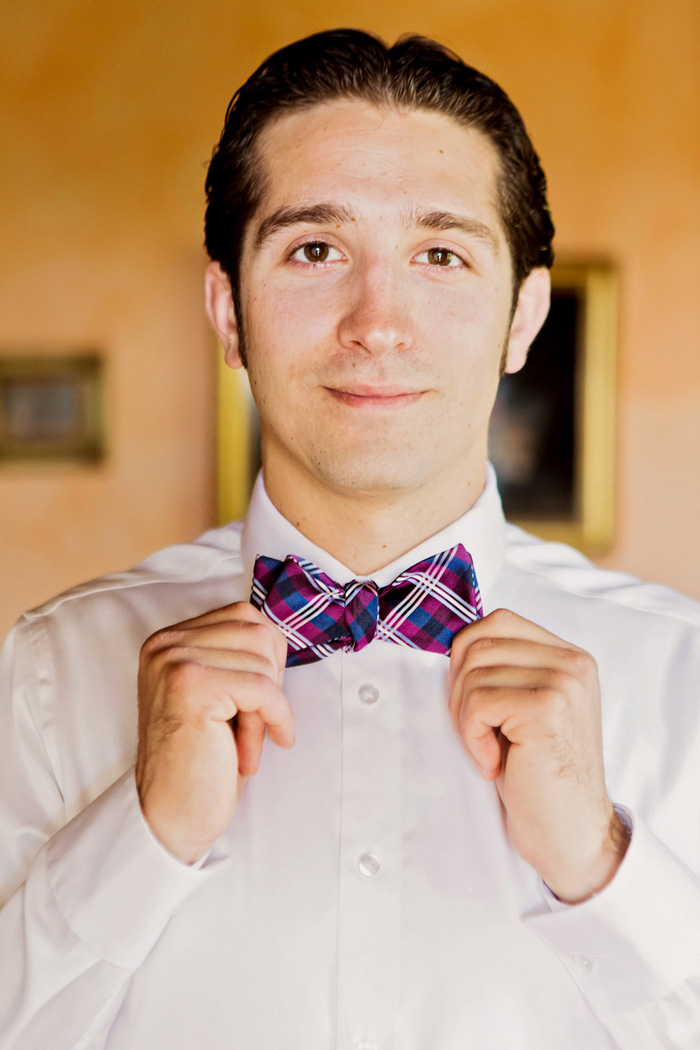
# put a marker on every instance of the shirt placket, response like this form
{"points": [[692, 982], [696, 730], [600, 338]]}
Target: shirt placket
{"points": [[369, 906]]}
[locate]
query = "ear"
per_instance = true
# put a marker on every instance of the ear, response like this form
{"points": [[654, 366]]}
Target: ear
{"points": [[530, 313], [221, 314]]}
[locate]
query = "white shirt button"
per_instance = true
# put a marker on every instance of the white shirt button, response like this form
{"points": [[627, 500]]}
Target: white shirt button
{"points": [[369, 694], [364, 1045], [368, 865], [583, 961]]}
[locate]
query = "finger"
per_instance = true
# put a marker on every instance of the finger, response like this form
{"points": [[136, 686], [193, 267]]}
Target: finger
{"points": [[249, 730], [524, 666], [247, 617], [200, 692], [559, 671], [503, 626], [209, 657], [254, 693], [489, 720], [246, 612], [227, 613], [530, 710], [522, 683], [490, 652], [257, 636], [480, 740], [236, 635], [503, 623], [511, 676]]}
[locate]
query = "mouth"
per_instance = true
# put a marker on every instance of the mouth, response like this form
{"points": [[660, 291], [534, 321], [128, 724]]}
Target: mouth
{"points": [[374, 396]]}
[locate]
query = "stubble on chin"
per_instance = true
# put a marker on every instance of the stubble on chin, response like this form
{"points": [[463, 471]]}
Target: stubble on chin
{"points": [[374, 467]]}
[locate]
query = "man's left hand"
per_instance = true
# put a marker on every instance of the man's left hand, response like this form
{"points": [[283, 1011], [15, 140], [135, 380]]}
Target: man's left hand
{"points": [[526, 706]]}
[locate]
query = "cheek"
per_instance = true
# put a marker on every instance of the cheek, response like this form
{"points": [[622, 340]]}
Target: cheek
{"points": [[278, 328], [461, 332], [298, 312], [276, 368]]}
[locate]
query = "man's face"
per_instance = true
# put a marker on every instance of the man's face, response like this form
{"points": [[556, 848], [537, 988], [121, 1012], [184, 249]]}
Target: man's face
{"points": [[376, 291]]}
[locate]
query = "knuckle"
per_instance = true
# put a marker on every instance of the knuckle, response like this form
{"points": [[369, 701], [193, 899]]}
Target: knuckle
{"points": [[481, 645], [461, 639], [153, 644], [555, 701], [151, 665], [474, 676], [579, 664], [558, 681], [244, 611], [472, 658], [502, 617], [165, 638], [259, 633], [180, 674], [585, 664], [255, 685]]}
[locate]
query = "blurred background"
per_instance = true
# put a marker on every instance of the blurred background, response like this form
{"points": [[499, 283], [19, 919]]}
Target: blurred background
{"points": [[109, 114]]}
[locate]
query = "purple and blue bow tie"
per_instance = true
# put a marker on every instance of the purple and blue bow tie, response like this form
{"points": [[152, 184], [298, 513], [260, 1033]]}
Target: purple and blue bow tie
{"points": [[423, 608]]}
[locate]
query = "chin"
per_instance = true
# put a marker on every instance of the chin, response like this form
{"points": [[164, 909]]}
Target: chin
{"points": [[372, 476]]}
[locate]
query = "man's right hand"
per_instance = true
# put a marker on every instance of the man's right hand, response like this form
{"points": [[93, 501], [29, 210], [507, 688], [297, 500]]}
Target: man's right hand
{"points": [[194, 678]]}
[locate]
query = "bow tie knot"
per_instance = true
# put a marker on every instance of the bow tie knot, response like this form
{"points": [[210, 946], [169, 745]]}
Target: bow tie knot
{"points": [[424, 607], [361, 604]]}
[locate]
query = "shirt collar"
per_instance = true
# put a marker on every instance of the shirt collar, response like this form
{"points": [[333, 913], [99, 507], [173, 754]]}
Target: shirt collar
{"points": [[481, 530]]}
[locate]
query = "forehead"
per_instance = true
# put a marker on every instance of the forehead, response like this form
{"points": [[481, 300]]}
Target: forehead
{"points": [[386, 157]]}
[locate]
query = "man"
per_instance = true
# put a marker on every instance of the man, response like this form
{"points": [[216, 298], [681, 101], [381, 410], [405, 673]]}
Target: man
{"points": [[361, 813]]}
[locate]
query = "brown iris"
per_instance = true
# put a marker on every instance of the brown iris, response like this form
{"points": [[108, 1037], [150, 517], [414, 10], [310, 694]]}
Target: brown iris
{"points": [[316, 251], [439, 256]]}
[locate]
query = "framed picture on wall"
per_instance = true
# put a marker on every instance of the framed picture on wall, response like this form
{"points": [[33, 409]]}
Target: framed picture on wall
{"points": [[238, 452], [552, 432], [50, 408]]}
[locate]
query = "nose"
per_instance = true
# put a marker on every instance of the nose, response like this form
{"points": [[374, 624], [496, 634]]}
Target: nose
{"points": [[376, 318]]}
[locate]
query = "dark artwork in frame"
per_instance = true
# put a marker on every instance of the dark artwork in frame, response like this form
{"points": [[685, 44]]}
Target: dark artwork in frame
{"points": [[552, 432], [50, 408], [532, 435]]}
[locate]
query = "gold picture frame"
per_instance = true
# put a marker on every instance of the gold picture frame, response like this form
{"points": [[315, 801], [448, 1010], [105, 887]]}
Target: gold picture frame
{"points": [[580, 337], [51, 408], [237, 441], [561, 410]]}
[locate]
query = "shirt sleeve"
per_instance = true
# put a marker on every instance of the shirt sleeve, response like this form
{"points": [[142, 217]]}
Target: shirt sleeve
{"points": [[634, 948], [84, 901]]}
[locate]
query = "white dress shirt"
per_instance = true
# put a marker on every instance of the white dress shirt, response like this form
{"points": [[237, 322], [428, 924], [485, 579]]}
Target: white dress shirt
{"points": [[365, 896]]}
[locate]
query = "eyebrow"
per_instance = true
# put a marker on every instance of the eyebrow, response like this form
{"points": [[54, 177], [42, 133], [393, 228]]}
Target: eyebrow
{"points": [[292, 215], [449, 220], [328, 212]]}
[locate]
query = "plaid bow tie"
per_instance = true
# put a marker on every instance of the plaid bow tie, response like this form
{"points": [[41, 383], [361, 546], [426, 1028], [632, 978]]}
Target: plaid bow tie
{"points": [[423, 608]]}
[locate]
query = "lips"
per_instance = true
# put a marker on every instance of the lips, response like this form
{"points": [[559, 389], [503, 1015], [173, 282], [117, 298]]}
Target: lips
{"points": [[374, 390], [372, 396]]}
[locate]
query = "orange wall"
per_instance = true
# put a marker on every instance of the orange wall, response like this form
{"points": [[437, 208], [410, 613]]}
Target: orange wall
{"points": [[110, 111]]}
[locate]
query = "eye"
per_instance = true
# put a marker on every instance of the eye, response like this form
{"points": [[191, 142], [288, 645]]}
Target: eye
{"points": [[441, 257], [315, 252]]}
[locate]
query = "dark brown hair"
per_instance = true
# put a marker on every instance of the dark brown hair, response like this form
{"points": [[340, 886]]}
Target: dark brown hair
{"points": [[416, 73]]}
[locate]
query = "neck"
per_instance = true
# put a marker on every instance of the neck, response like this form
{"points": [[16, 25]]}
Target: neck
{"points": [[367, 530]]}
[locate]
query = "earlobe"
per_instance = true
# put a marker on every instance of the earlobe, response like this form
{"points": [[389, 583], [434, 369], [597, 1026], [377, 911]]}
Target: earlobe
{"points": [[221, 314], [529, 316]]}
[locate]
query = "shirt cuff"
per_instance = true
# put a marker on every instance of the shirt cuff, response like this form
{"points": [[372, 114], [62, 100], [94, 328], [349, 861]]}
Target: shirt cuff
{"points": [[114, 883], [636, 940]]}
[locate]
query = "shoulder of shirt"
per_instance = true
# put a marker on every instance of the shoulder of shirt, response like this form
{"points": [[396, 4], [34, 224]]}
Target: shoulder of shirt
{"points": [[216, 553], [566, 569]]}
